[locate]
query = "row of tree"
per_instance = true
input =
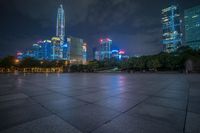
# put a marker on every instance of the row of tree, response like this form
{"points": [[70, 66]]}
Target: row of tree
{"points": [[160, 62]]}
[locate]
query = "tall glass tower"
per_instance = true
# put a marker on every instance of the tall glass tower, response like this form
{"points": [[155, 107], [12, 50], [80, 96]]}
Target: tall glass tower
{"points": [[60, 28], [105, 48], [192, 27], [171, 25]]}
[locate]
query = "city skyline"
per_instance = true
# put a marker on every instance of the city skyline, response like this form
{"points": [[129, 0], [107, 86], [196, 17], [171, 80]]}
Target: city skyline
{"points": [[140, 38]]}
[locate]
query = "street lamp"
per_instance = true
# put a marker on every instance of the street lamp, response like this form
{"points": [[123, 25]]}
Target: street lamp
{"points": [[17, 61]]}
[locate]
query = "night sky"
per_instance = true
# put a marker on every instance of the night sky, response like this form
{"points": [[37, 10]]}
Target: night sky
{"points": [[133, 25]]}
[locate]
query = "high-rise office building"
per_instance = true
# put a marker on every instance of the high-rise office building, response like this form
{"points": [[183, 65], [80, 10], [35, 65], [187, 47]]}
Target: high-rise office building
{"points": [[65, 51], [45, 51], [77, 50], [36, 48], [171, 25], [105, 48], [56, 48], [192, 27], [60, 27]]}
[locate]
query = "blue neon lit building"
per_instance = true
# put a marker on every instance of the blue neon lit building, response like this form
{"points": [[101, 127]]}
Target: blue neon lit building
{"points": [[45, 51], [192, 27], [171, 25], [105, 49]]}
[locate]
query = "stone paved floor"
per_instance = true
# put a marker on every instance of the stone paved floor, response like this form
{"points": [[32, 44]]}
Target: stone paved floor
{"points": [[99, 103]]}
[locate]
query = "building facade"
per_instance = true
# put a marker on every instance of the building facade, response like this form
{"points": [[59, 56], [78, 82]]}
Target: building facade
{"points": [[43, 50], [56, 48], [77, 50], [105, 48], [192, 27], [171, 26], [104, 51]]}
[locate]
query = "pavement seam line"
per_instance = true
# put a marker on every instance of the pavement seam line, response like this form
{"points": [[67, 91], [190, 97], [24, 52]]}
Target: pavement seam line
{"points": [[186, 114]]}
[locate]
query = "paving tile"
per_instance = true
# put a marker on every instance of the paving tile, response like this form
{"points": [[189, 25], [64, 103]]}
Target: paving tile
{"points": [[119, 104], [93, 97], [62, 104], [13, 104], [132, 96], [192, 123], [195, 91], [51, 124], [174, 117], [17, 113], [73, 93], [167, 102], [12, 97], [135, 124], [49, 97], [89, 117], [8, 91], [194, 107], [172, 95], [194, 100], [36, 92]]}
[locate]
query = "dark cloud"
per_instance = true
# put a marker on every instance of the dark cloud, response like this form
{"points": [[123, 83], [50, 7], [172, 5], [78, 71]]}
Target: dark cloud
{"points": [[134, 25]]}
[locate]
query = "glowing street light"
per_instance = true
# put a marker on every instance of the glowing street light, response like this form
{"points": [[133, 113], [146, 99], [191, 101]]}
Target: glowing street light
{"points": [[17, 61]]}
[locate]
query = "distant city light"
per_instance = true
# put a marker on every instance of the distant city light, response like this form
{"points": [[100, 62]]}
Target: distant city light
{"points": [[19, 53], [120, 57], [101, 40], [17, 61], [115, 51], [121, 52], [108, 39]]}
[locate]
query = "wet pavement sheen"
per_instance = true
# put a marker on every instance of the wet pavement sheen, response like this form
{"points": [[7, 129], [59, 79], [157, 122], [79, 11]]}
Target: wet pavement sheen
{"points": [[99, 103]]}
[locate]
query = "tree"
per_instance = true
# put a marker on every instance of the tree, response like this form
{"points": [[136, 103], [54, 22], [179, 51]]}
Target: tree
{"points": [[30, 62], [8, 62], [139, 63], [93, 66], [153, 63], [73, 68], [124, 65]]}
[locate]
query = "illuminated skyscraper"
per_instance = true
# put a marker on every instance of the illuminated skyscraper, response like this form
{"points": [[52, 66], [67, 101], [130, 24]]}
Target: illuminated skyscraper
{"points": [[172, 36], [105, 48], [56, 48], [60, 28], [192, 27]]}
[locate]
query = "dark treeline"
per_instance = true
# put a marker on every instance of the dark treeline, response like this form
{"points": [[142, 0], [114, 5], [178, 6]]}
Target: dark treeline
{"points": [[161, 62]]}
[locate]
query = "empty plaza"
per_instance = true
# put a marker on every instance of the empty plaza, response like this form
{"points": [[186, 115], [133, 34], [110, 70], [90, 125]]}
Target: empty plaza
{"points": [[99, 103]]}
